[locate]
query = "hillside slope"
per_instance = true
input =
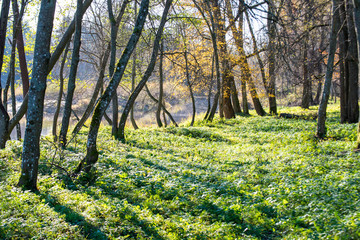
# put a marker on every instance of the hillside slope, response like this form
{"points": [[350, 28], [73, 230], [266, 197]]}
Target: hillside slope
{"points": [[247, 178]]}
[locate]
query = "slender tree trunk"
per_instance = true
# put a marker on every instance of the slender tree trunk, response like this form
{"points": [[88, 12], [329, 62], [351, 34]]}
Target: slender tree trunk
{"points": [[31, 148], [161, 81], [147, 74], [133, 78], [244, 65], [20, 46], [75, 58], [5, 6], [190, 88], [163, 106], [92, 153], [321, 128], [213, 32], [210, 90], [226, 73], [61, 91], [272, 58], [306, 95]]}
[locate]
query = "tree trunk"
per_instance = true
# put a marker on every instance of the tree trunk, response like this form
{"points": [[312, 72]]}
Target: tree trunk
{"points": [[75, 58], [92, 153], [161, 81], [357, 28], [321, 128], [353, 100], [147, 74], [271, 58], [61, 91], [306, 95], [31, 148], [235, 96], [133, 78], [190, 88], [163, 106], [5, 6], [226, 72], [244, 65]]}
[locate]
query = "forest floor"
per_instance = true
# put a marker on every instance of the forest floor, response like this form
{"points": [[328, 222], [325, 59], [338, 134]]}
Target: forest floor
{"points": [[246, 178]]}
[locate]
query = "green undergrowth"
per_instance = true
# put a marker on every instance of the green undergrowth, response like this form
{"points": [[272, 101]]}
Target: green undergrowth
{"points": [[247, 178]]}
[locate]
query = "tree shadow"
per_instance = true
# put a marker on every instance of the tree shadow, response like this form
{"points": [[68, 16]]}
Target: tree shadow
{"points": [[88, 230]]}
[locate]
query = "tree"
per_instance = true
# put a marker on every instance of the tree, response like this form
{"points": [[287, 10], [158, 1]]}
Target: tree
{"points": [[91, 151], [321, 128], [357, 28], [31, 148], [75, 58], [147, 74]]}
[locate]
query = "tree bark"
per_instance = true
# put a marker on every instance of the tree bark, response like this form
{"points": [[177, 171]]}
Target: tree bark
{"points": [[161, 85], [31, 148], [321, 128], [92, 153], [353, 99], [271, 57], [61, 91], [357, 28], [244, 65], [5, 6], [190, 88], [147, 74], [75, 58]]}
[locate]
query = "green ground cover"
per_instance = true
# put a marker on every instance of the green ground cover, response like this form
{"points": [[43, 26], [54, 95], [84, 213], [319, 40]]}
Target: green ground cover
{"points": [[247, 178]]}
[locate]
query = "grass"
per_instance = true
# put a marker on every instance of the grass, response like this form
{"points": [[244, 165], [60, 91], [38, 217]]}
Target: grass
{"points": [[246, 178]]}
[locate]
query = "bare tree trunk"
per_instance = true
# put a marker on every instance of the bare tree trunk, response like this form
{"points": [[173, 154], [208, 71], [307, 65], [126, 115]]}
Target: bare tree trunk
{"points": [[226, 73], [20, 45], [244, 65], [61, 91], [5, 6], [92, 153], [161, 81], [357, 28], [272, 58], [190, 88], [213, 32], [147, 74], [210, 90], [133, 78], [353, 100], [31, 148], [163, 106], [306, 95], [75, 58], [321, 128]]}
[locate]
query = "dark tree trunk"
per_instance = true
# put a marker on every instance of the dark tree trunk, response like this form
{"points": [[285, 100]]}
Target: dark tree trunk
{"points": [[357, 28], [235, 96], [133, 78], [161, 81], [226, 72], [92, 153], [271, 57], [4, 120], [5, 6], [147, 74], [306, 95], [321, 128], [163, 106], [75, 58], [61, 91], [31, 148], [353, 100], [210, 90], [190, 88]]}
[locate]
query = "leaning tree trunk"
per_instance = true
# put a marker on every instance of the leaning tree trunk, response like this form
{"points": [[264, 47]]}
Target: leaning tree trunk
{"points": [[147, 74], [321, 128], [31, 148], [5, 6], [61, 91], [92, 153], [53, 59], [75, 58], [244, 65]]}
